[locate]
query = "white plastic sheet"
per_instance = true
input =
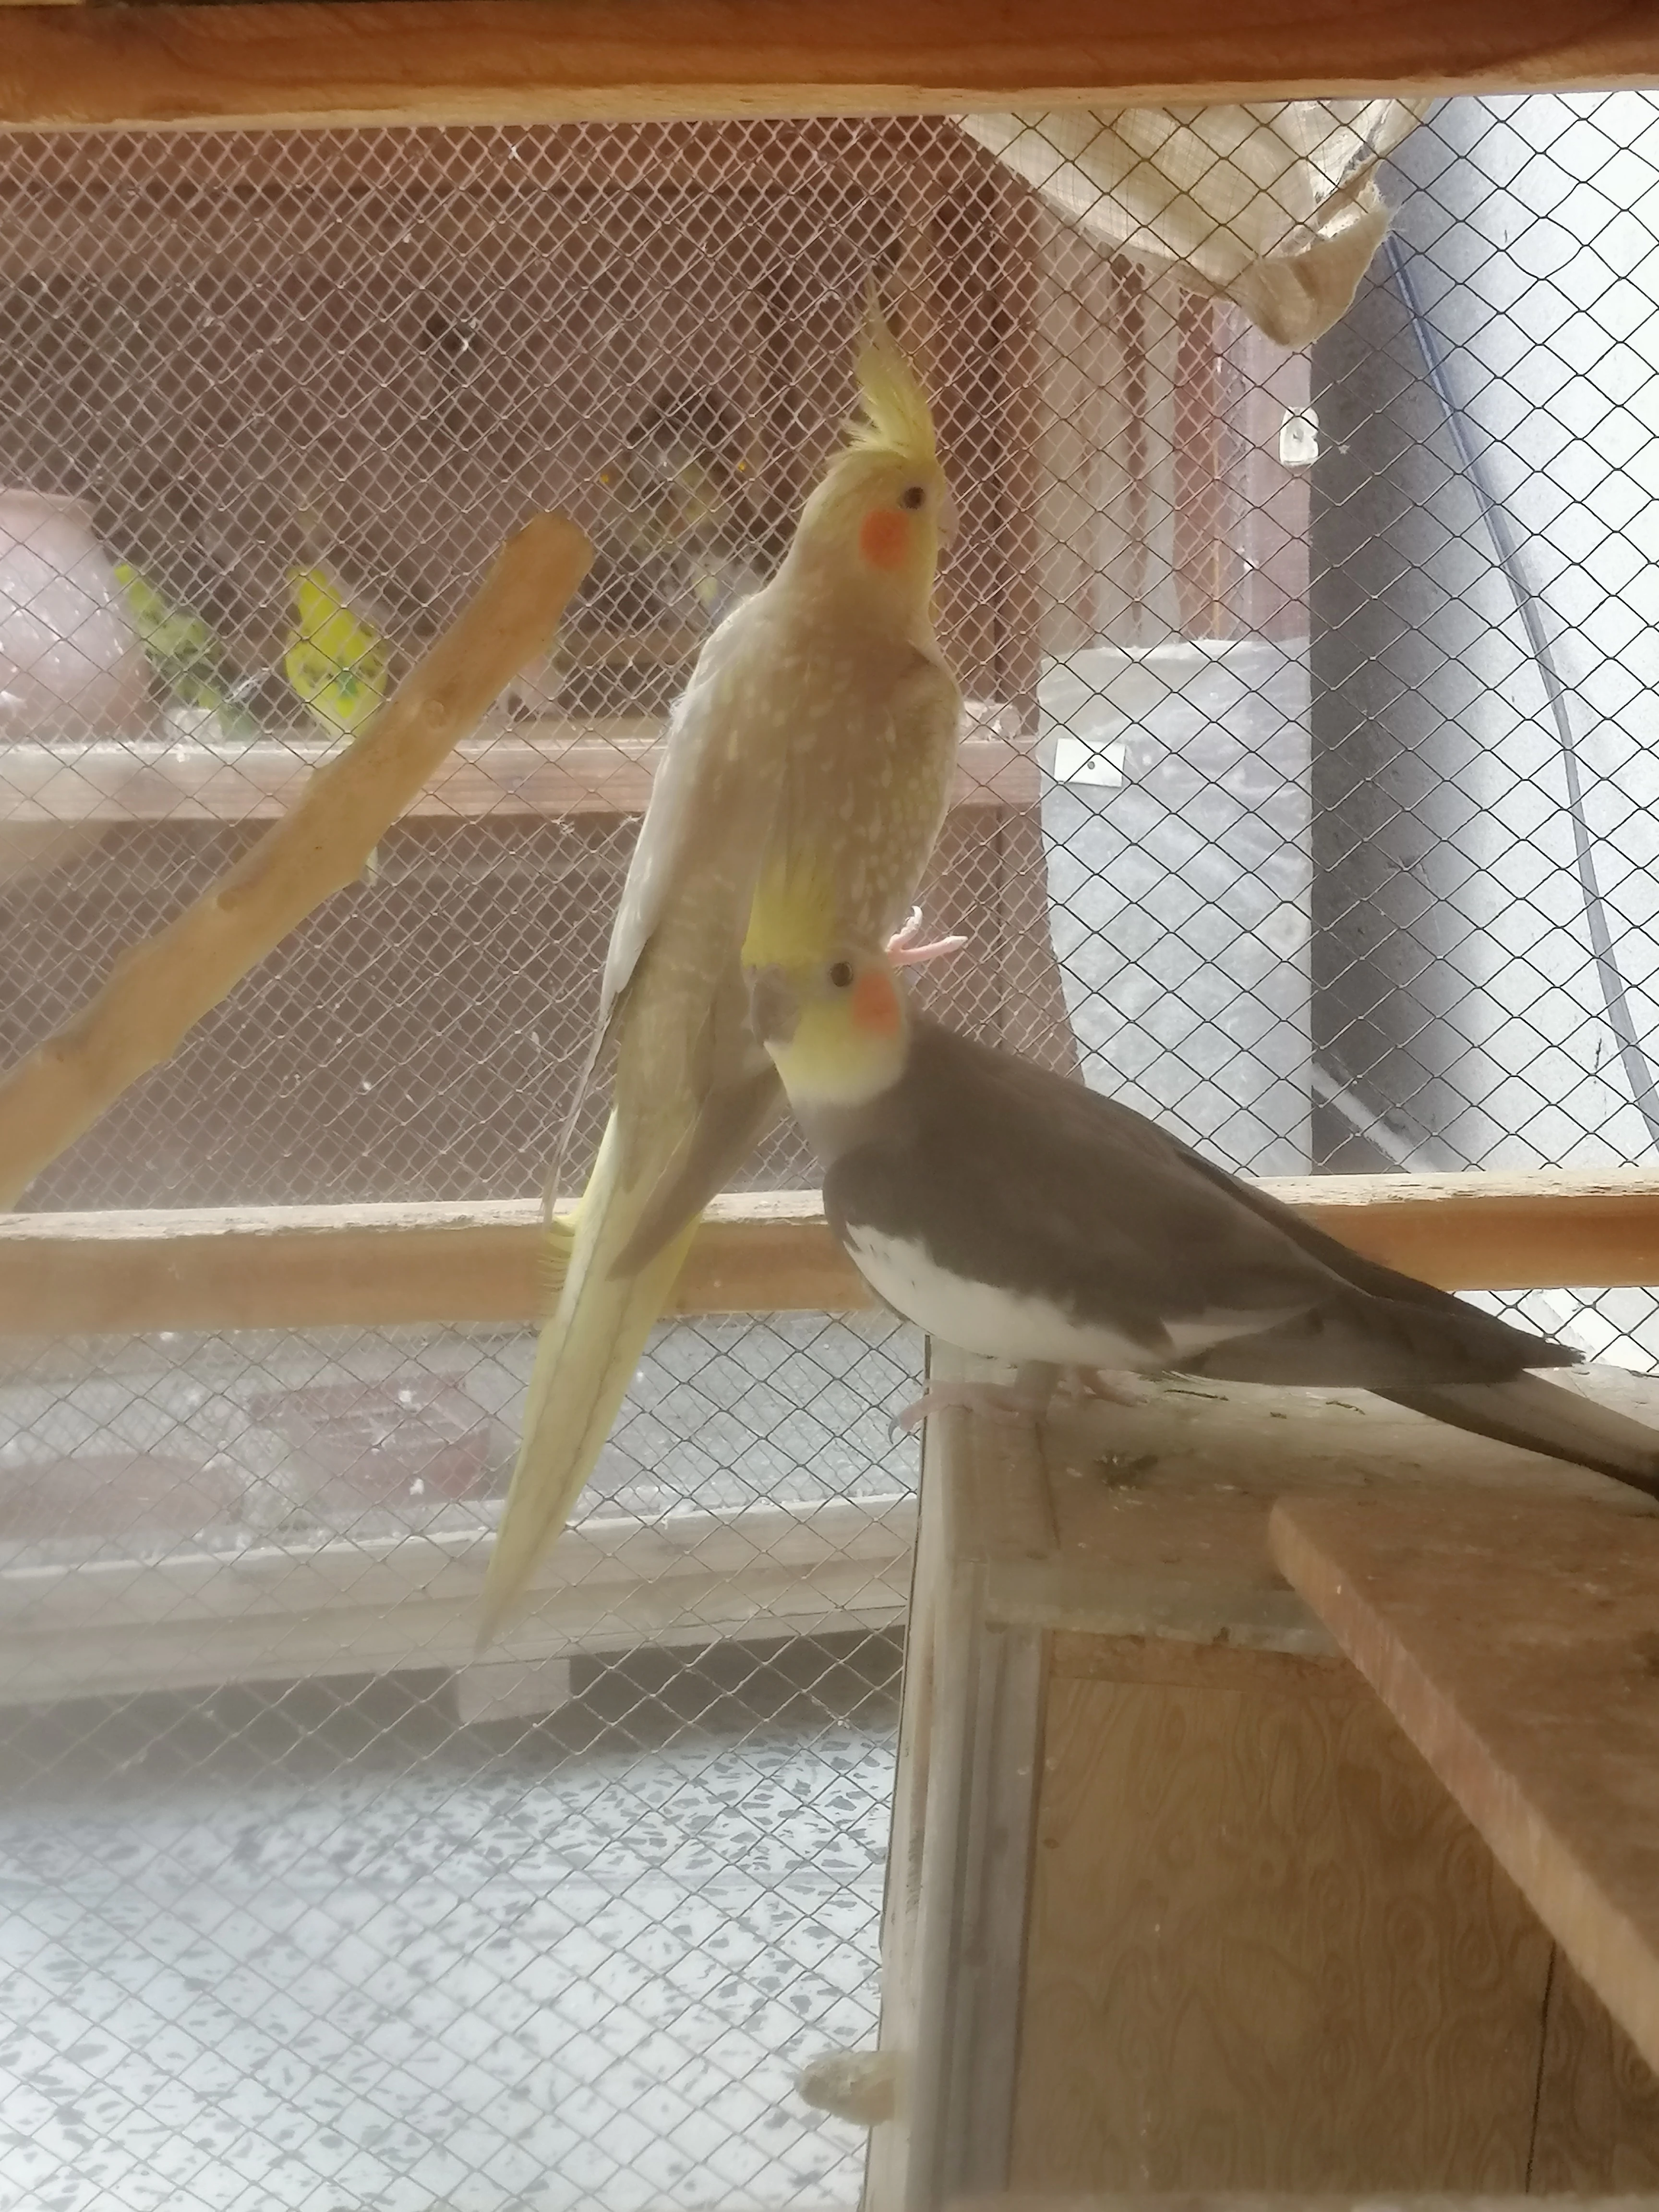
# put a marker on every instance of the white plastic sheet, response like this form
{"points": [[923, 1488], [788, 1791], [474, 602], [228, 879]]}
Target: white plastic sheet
{"points": [[1274, 205]]}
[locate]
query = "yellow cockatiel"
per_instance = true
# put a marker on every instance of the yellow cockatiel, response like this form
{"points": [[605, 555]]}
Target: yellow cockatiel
{"points": [[819, 730]]}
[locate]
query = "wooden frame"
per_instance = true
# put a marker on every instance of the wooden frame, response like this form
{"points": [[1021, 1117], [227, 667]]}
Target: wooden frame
{"points": [[602, 766], [381, 1266], [336, 1605], [520, 61], [1170, 1897]]}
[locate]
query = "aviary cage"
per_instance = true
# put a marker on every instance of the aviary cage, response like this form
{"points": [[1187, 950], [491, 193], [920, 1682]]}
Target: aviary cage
{"points": [[313, 1903]]}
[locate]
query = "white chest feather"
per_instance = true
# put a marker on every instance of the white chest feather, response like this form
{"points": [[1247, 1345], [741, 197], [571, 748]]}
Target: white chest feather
{"points": [[1015, 1327], [978, 1317]]}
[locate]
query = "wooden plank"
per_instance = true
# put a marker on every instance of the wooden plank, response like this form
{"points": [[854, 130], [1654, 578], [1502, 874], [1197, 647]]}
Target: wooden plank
{"points": [[953, 1917], [1261, 2200], [1598, 2099], [548, 769], [1265, 1951], [317, 1267], [312, 1266], [1538, 1229], [518, 61], [280, 1611], [1517, 1642]]}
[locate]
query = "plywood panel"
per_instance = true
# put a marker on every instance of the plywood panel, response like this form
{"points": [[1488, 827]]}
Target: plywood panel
{"points": [[1517, 1642], [1598, 2099], [1265, 1951]]}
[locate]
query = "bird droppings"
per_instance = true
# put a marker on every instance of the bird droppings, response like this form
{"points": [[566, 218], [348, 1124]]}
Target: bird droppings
{"points": [[1120, 1466]]}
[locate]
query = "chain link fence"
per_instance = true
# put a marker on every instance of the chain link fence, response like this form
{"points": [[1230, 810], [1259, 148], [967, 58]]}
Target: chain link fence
{"points": [[1309, 806]]}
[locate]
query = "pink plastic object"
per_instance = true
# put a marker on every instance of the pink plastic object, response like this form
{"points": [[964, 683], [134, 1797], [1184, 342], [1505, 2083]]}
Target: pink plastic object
{"points": [[71, 665]]}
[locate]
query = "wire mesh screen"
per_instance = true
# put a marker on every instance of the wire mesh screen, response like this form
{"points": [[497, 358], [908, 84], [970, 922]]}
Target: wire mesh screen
{"points": [[1306, 805]]}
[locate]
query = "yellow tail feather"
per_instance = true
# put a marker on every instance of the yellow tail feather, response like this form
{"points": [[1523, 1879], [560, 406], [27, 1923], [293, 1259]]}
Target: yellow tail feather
{"points": [[553, 1261], [584, 1363]]}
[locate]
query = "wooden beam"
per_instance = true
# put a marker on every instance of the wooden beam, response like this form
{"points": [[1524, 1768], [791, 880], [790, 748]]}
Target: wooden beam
{"points": [[1538, 1229], [600, 767], [316, 1267], [1252, 2200], [524, 61], [349, 1604], [1517, 1645]]}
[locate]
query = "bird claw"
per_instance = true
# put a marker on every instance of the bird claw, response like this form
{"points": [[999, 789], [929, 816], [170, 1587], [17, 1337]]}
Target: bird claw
{"points": [[904, 952], [1091, 1383], [1029, 1397], [995, 1401]]}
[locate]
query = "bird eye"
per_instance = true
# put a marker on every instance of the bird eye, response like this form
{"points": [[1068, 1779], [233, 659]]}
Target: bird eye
{"points": [[841, 975], [913, 497]]}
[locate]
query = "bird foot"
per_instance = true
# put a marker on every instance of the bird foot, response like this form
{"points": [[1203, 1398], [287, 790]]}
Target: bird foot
{"points": [[994, 1399], [1091, 1383], [1027, 1398], [904, 952]]}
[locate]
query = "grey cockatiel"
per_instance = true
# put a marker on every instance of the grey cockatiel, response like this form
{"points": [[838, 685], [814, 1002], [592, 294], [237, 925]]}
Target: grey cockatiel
{"points": [[818, 733], [1020, 1216]]}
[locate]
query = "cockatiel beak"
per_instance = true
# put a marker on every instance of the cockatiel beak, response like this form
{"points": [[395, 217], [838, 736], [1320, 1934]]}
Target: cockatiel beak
{"points": [[773, 1008]]}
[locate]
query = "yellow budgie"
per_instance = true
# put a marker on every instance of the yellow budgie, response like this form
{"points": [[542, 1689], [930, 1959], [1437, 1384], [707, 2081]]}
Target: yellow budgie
{"points": [[335, 660], [819, 732], [187, 655]]}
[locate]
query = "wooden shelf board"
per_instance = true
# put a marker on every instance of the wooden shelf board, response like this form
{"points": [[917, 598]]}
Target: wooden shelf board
{"points": [[1145, 1526], [317, 1267], [1517, 1642], [543, 769], [521, 61]]}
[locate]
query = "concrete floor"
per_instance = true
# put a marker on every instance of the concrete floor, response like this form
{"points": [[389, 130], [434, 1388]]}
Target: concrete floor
{"points": [[323, 1951]]}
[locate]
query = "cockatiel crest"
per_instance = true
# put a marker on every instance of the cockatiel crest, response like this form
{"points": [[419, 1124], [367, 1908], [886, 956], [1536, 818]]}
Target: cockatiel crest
{"points": [[884, 491], [894, 413]]}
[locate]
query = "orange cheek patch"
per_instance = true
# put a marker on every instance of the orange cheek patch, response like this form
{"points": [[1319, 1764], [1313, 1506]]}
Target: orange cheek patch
{"points": [[885, 537], [875, 1003]]}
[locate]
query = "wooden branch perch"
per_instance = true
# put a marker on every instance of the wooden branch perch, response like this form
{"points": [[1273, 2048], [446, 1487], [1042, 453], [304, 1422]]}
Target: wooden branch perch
{"points": [[157, 991]]}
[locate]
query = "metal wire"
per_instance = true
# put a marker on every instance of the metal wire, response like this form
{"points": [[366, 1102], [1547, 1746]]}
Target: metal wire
{"points": [[1637, 1070], [1311, 809]]}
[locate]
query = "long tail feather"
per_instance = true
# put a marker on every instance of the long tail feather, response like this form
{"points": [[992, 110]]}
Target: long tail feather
{"points": [[584, 1363], [1543, 1416]]}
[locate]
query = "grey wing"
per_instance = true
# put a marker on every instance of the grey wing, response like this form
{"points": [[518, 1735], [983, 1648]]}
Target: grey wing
{"points": [[1125, 1223]]}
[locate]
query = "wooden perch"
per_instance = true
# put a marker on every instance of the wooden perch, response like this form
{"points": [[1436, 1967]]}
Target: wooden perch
{"points": [[158, 990], [312, 1266]]}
